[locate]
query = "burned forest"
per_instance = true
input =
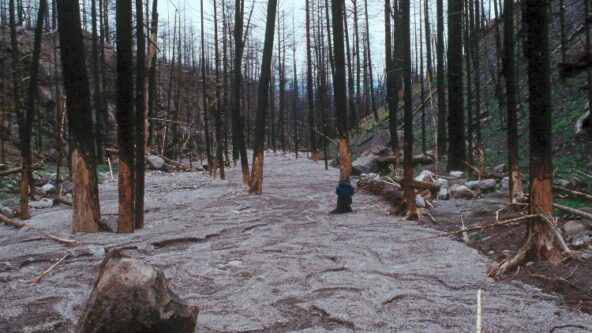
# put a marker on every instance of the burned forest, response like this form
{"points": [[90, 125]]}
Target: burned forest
{"points": [[295, 166]]}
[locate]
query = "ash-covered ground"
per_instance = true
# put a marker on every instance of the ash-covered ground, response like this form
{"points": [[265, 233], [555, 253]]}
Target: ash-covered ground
{"points": [[272, 263]]}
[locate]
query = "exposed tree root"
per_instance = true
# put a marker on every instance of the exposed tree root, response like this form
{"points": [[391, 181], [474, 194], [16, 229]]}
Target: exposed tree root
{"points": [[532, 244]]}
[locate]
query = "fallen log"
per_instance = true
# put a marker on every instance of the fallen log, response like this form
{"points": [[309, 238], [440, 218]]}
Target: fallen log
{"points": [[60, 240], [175, 163], [11, 222], [420, 185], [19, 225], [9, 172], [521, 219], [166, 159], [573, 211], [482, 175], [47, 271], [62, 201], [574, 194]]}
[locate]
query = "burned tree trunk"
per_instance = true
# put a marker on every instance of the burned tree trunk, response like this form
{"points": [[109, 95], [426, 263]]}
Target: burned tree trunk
{"points": [[411, 205], [256, 184], [340, 92], [515, 189], [125, 116], [238, 136], [141, 87], [457, 151], [543, 240], [85, 198], [312, 138]]}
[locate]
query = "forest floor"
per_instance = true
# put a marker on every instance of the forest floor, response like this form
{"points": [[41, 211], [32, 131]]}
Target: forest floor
{"points": [[273, 263]]}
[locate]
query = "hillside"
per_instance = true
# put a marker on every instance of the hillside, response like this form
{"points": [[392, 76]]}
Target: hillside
{"points": [[572, 153]]}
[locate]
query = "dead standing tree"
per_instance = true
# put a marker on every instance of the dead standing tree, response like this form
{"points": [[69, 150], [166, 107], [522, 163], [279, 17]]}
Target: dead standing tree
{"points": [[85, 198], [543, 239], [256, 184], [340, 92], [238, 136], [125, 115]]}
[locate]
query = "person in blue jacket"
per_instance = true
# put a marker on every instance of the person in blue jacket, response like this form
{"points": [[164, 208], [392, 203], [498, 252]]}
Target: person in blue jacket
{"points": [[345, 192]]}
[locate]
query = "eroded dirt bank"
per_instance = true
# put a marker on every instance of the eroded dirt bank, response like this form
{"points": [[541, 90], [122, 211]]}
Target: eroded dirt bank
{"points": [[273, 263]]}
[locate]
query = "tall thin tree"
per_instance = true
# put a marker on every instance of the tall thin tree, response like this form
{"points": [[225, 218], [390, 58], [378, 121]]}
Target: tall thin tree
{"points": [[125, 115], [457, 152], [515, 189], [340, 92], [85, 193], [256, 185]]}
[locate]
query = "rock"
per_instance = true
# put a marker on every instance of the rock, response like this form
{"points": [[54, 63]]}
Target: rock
{"points": [[574, 228], [457, 174], [473, 185], [505, 184], [155, 162], [108, 223], [501, 169], [47, 188], [43, 203], [67, 187], [528, 264], [420, 201], [425, 176], [487, 185], [443, 194], [7, 211], [362, 164], [461, 192], [580, 240], [443, 182], [583, 126], [139, 296], [53, 155], [562, 183]]}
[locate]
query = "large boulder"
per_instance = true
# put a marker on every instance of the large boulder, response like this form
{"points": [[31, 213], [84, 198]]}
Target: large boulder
{"points": [[461, 192], [155, 162], [130, 296]]}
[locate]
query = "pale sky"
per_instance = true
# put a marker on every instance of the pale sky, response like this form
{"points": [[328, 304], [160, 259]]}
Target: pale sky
{"points": [[190, 11]]}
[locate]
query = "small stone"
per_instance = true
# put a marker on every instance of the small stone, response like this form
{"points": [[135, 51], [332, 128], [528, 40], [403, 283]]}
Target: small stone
{"points": [[67, 187], [420, 201], [501, 169], [425, 176], [155, 162], [473, 185], [443, 182], [7, 211], [574, 228], [491, 253], [43, 203], [506, 253], [487, 185], [47, 188], [457, 174], [443, 194], [108, 223], [53, 155], [461, 192], [562, 183], [505, 184], [528, 264]]}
